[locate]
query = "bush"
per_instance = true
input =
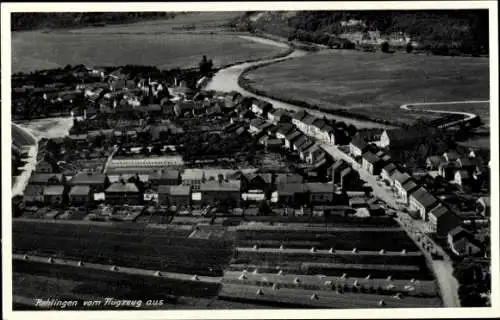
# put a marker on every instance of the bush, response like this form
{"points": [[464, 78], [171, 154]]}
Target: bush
{"points": [[384, 47]]}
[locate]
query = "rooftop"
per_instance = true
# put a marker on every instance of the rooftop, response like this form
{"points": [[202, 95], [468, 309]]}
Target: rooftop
{"points": [[439, 211], [88, 178], [180, 190], [370, 157], [215, 186], [79, 191], [410, 185], [53, 190], [120, 187], [424, 197]]}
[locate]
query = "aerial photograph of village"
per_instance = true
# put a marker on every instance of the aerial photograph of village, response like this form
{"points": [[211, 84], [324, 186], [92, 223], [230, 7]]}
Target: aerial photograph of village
{"points": [[250, 160]]}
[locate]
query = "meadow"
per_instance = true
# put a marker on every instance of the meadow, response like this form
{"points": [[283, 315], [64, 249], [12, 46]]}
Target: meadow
{"points": [[374, 84], [180, 42]]}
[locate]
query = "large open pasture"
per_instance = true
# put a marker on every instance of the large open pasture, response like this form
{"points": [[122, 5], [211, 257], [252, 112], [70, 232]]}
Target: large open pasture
{"points": [[162, 43], [375, 84]]}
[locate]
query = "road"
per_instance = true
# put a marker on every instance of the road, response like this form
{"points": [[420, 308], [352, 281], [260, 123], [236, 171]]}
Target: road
{"points": [[23, 138], [226, 80], [443, 269]]}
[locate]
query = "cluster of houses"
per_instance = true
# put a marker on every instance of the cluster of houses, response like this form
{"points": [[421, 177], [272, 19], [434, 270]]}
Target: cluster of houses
{"points": [[439, 219]]}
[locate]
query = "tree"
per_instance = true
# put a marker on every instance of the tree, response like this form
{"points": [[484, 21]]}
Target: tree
{"points": [[264, 208], [384, 47]]}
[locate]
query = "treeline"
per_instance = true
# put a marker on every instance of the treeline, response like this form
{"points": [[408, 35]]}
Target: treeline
{"points": [[38, 20], [437, 31]]}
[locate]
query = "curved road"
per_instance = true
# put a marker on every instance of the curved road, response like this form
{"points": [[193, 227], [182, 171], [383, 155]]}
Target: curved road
{"points": [[226, 80]]}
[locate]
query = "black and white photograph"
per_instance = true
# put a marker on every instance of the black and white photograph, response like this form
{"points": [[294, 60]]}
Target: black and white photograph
{"points": [[250, 157]]}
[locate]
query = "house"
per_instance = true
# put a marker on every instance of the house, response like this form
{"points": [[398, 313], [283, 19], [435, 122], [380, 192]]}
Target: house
{"points": [[291, 138], [92, 179], [357, 147], [304, 147], [314, 154], [371, 163], [320, 193], [336, 169], [261, 108], [451, 155], [297, 118], [433, 162], [165, 177], [317, 127], [292, 194], [349, 179], [284, 129], [422, 201], [325, 134], [442, 220], [307, 125], [483, 206], [53, 194], [399, 178], [278, 115], [287, 178], [462, 178], [399, 138], [180, 196], [387, 171], [256, 181], [462, 243], [45, 179], [44, 167], [299, 142], [33, 193], [80, 195], [407, 188], [227, 192], [258, 125], [123, 193]]}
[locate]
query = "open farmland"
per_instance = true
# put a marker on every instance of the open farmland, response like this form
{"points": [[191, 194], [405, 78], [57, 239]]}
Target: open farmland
{"points": [[374, 84], [162, 43], [127, 245]]}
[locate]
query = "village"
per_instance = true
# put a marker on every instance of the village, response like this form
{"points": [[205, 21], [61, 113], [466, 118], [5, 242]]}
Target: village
{"points": [[149, 149]]}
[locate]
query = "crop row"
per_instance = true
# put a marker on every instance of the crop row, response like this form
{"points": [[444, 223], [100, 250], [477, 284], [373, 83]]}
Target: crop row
{"points": [[102, 283], [323, 299], [389, 241], [256, 257], [375, 285]]}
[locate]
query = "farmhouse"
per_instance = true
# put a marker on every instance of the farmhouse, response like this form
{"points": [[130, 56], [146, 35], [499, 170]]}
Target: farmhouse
{"points": [[387, 171], [80, 195], [123, 192], [94, 180], [422, 201], [53, 194], [442, 220], [462, 243], [357, 147], [291, 138], [226, 192], [371, 163], [407, 188]]}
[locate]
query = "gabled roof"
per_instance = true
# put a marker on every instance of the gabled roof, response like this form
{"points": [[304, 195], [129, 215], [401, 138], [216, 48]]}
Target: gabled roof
{"points": [[410, 185], [299, 115], [299, 141], [358, 143], [319, 187], [423, 197], [293, 135], [215, 186], [119, 187], [319, 123], [165, 175], [458, 233], [309, 119], [278, 112], [43, 178], [180, 190], [79, 191], [88, 178], [400, 176], [53, 190], [370, 157], [439, 211], [390, 168], [266, 177], [303, 147]]}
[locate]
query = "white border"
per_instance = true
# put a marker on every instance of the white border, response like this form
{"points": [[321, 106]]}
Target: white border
{"points": [[7, 8]]}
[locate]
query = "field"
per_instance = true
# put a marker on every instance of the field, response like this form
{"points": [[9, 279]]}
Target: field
{"points": [[157, 43], [128, 245], [375, 84]]}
